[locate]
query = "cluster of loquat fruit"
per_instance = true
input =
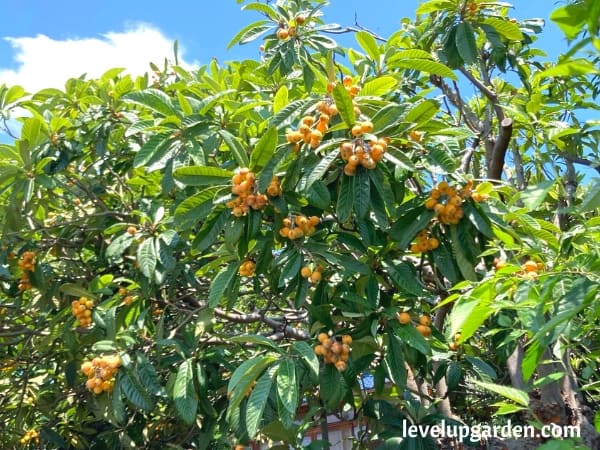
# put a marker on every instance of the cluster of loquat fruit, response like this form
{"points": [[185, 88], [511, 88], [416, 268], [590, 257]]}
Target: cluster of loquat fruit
{"points": [[82, 310], [274, 187], [529, 269], [290, 29], [314, 276], [244, 187], [333, 351], [446, 202], [296, 227], [361, 153], [247, 268], [424, 325], [31, 435], [313, 128], [26, 264], [101, 373], [425, 242]]}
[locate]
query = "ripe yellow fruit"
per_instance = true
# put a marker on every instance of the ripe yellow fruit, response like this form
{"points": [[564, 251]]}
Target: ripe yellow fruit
{"points": [[424, 330], [315, 277], [322, 337], [282, 34], [425, 320], [306, 272], [403, 318], [131, 230]]}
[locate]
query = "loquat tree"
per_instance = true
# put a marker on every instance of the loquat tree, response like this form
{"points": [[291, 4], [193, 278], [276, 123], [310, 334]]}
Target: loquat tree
{"points": [[237, 254]]}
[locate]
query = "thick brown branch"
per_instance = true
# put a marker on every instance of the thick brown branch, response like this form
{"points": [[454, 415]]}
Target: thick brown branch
{"points": [[278, 325], [500, 147]]}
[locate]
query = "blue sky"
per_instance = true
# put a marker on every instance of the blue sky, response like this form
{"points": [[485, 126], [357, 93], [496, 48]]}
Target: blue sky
{"points": [[203, 31]]}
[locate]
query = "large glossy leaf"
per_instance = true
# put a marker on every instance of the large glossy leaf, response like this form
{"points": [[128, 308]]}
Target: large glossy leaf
{"points": [[236, 148], [422, 112], [264, 149], [345, 200], [147, 257], [466, 43], [362, 192], [154, 99], [184, 392], [394, 360], [258, 400], [344, 105], [202, 175], [378, 86], [425, 65], [221, 282], [368, 44], [135, 391], [287, 391]]}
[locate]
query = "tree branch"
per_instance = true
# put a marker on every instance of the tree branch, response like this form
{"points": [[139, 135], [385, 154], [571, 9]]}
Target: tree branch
{"points": [[500, 147], [278, 325]]}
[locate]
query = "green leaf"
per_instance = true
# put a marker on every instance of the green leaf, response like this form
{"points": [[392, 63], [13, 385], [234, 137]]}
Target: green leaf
{"points": [[135, 392], [427, 66], [291, 110], [280, 100], [422, 112], [258, 400], [404, 278], [264, 149], [210, 229], [464, 265], [343, 101], [308, 355], [332, 386], [533, 196], [76, 291], [362, 192], [394, 360], [435, 6], [477, 218], [466, 43], [184, 393], [321, 168], [235, 147], [571, 68], [195, 208], [250, 32], [413, 339], [368, 44], [243, 378], [345, 201], [221, 282], [378, 86], [258, 340], [505, 28], [287, 392], [469, 313], [516, 395], [591, 201], [408, 225], [202, 175], [570, 18], [153, 99], [147, 258]]}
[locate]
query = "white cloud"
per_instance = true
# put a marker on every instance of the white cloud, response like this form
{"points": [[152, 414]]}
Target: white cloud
{"points": [[45, 62]]}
